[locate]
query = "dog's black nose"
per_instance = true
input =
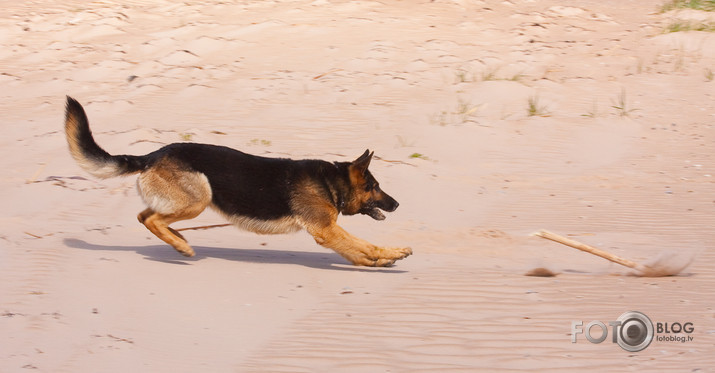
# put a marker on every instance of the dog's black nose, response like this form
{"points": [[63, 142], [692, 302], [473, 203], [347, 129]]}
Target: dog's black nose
{"points": [[387, 203], [391, 206]]}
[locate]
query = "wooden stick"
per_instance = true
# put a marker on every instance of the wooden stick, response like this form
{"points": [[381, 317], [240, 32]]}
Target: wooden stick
{"points": [[203, 227], [326, 73], [36, 174], [592, 250]]}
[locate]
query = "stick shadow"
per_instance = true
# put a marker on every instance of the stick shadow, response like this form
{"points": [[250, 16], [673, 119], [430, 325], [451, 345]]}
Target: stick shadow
{"points": [[166, 254]]}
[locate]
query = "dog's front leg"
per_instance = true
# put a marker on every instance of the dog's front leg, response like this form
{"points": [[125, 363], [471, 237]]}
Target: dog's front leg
{"points": [[356, 250]]}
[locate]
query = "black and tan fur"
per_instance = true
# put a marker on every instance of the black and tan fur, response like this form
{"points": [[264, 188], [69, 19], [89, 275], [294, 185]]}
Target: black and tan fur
{"points": [[259, 194]]}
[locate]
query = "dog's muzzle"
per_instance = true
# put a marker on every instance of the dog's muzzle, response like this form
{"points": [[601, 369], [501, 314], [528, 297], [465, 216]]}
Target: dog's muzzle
{"points": [[386, 203]]}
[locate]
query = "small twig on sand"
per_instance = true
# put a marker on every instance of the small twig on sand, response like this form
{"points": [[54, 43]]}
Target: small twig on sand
{"points": [[32, 235], [326, 73], [391, 161], [203, 227]]}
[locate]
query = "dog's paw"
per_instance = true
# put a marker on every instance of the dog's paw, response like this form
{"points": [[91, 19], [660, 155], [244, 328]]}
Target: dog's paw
{"points": [[185, 250], [384, 263], [395, 253], [370, 261], [379, 256], [385, 256]]}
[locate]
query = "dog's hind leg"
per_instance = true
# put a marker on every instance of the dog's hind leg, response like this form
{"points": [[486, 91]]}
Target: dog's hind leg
{"points": [[149, 212], [172, 195], [159, 225]]}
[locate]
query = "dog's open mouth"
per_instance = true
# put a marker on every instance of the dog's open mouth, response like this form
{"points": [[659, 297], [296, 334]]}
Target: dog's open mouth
{"points": [[373, 212], [373, 208], [376, 214]]}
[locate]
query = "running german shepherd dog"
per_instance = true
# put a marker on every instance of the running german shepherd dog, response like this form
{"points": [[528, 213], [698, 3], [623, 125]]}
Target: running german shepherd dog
{"points": [[259, 194]]}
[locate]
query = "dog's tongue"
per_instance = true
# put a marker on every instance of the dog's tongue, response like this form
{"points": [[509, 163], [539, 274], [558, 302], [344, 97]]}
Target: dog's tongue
{"points": [[377, 214]]}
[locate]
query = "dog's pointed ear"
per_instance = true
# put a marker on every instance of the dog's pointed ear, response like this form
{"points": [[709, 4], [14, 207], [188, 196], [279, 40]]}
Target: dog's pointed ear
{"points": [[360, 165]]}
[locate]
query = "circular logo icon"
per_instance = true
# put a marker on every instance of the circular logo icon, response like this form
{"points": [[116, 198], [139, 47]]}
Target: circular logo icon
{"points": [[635, 332]]}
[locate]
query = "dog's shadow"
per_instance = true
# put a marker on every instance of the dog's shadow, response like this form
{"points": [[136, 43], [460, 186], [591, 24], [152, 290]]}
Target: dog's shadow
{"points": [[165, 254]]}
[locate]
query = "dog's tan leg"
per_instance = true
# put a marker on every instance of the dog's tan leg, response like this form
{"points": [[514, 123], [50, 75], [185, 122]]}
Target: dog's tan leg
{"points": [[319, 217], [149, 212], [159, 225], [354, 249], [172, 195]]}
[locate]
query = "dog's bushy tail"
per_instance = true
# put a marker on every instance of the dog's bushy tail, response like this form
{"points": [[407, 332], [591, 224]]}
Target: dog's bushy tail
{"points": [[88, 154]]}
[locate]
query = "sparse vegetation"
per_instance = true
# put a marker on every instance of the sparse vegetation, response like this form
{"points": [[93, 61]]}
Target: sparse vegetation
{"points": [[419, 156], [621, 104], [465, 109], [462, 113], [535, 109], [490, 74], [260, 142], [709, 75], [681, 25], [593, 113], [463, 76], [707, 5], [186, 136]]}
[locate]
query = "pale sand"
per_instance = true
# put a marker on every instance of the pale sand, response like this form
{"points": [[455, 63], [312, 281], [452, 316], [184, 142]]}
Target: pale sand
{"points": [[85, 288]]}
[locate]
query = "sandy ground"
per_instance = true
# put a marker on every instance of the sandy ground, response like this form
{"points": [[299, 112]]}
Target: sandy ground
{"points": [[619, 154]]}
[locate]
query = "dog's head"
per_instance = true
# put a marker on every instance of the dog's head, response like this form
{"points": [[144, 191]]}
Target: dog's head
{"points": [[366, 197]]}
